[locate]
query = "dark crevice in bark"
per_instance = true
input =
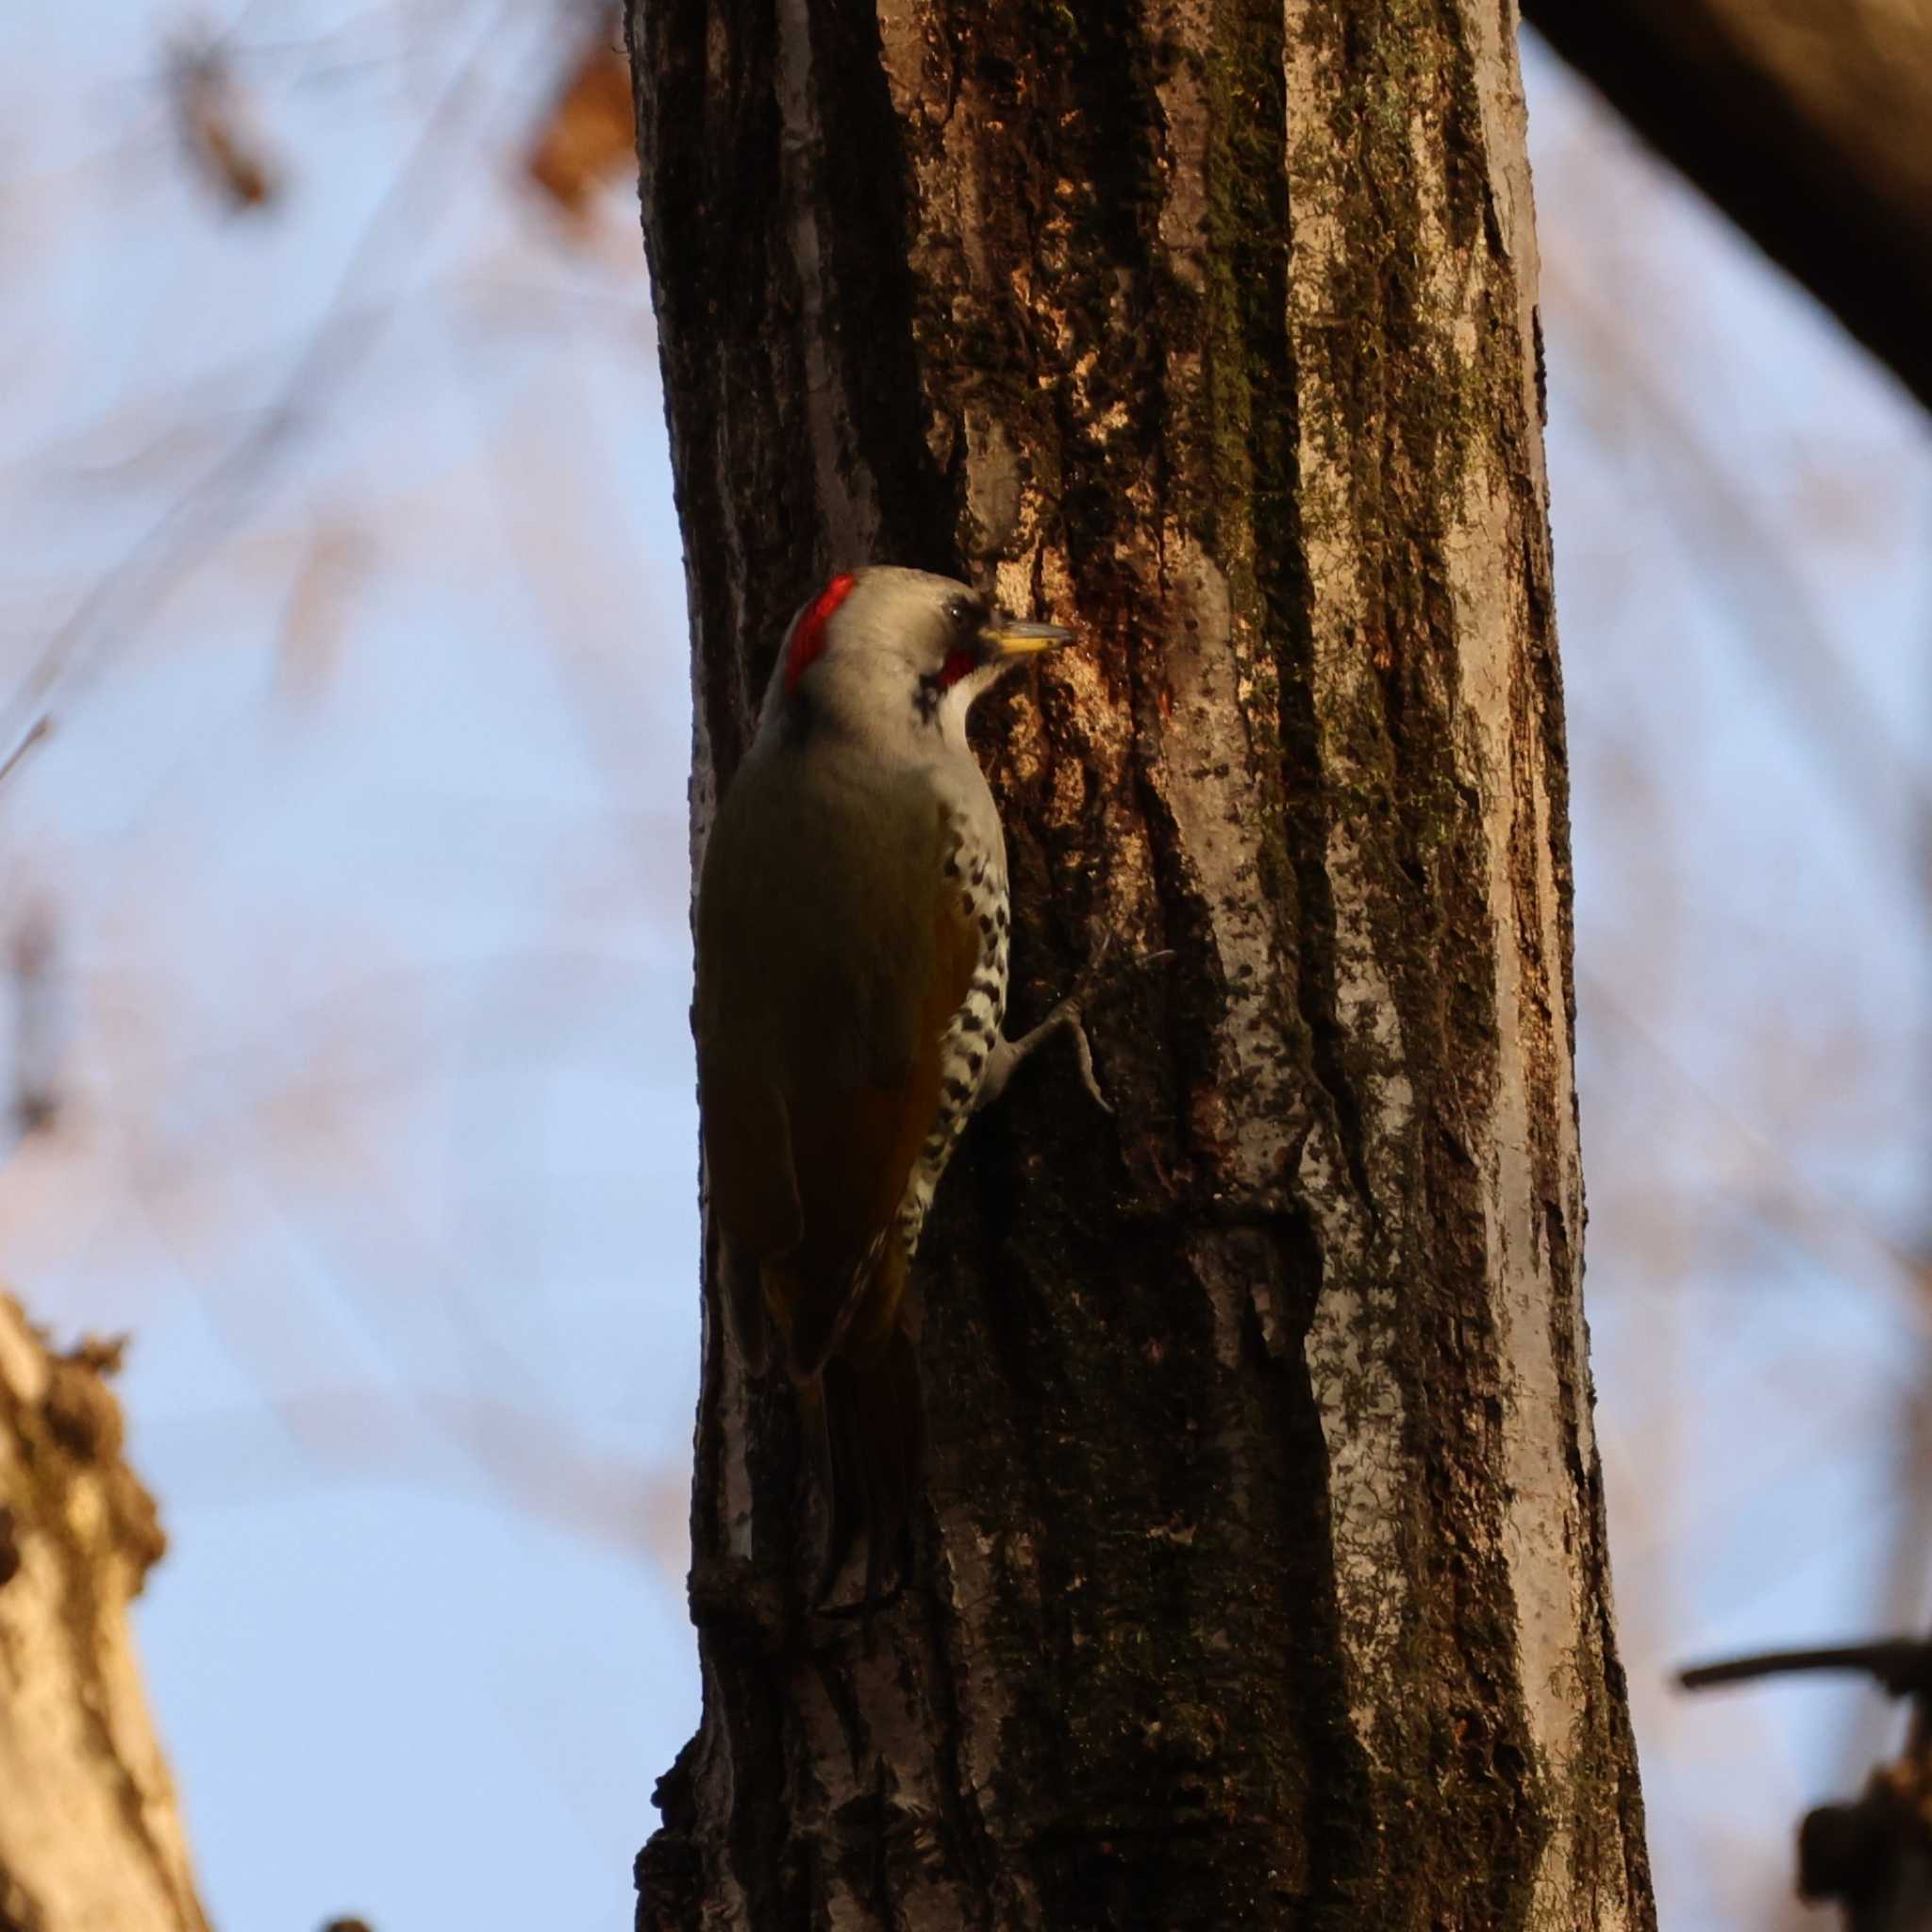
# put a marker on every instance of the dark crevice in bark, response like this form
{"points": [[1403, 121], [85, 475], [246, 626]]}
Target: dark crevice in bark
{"points": [[705, 1529], [871, 300], [1253, 370], [965, 1829], [756, 1834], [1340, 1854], [1546, 670], [1480, 1738], [1468, 175]]}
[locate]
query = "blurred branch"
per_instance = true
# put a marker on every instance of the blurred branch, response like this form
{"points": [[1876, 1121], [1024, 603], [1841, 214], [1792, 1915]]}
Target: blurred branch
{"points": [[1873, 1857], [1902, 1666], [589, 134], [199, 516], [1806, 123], [38, 730], [314, 617], [37, 1030], [217, 128]]}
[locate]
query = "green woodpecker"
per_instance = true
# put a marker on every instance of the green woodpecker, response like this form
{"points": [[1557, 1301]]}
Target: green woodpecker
{"points": [[852, 928]]}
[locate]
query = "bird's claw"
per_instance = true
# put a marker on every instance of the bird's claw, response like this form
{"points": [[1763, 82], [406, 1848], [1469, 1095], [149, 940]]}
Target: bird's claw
{"points": [[1083, 1055], [1070, 1014]]}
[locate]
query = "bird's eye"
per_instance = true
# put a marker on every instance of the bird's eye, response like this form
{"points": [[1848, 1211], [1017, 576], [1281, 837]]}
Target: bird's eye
{"points": [[958, 611]]}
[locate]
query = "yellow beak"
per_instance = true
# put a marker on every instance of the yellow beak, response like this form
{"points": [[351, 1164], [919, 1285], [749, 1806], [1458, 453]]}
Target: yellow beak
{"points": [[1007, 636]]}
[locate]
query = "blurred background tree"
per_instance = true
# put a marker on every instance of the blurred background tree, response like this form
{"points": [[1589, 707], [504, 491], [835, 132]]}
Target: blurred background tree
{"points": [[346, 946]]}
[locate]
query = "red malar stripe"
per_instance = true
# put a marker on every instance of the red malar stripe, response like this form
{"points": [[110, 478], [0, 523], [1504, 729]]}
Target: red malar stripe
{"points": [[808, 634]]}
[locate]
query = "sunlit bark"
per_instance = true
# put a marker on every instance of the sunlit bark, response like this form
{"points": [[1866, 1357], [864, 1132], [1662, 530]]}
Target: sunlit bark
{"points": [[1261, 1579], [90, 1835]]}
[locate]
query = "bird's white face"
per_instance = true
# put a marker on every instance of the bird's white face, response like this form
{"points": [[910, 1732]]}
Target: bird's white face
{"points": [[893, 656]]}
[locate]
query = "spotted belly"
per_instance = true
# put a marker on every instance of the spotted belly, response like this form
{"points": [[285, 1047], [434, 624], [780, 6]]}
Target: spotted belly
{"points": [[979, 877]]}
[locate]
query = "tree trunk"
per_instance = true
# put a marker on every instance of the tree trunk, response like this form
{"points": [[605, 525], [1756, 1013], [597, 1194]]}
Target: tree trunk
{"points": [[1262, 1575], [1807, 122], [89, 1836]]}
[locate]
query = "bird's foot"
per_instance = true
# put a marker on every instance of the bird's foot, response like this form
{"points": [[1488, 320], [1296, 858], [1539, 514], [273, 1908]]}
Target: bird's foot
{"points": [[1069, 1016]]}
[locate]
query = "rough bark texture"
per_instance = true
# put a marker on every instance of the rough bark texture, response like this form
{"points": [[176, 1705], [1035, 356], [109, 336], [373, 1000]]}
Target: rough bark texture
{"points": [[1261, 1579], [1807, 122], [90, 1835]]}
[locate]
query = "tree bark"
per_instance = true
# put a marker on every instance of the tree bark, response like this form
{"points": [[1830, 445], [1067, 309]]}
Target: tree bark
{"points": [[1260, 1579], [1807, 122], [89, 1834]]}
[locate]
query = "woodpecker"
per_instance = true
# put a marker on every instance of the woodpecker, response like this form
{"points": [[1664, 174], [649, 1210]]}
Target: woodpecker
{"points": [[852, 941]]}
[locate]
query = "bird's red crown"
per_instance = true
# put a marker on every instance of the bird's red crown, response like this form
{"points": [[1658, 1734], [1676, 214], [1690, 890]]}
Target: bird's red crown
{"points": [[809, 633]]}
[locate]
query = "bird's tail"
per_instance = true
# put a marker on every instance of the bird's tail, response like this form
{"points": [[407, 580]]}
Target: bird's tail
{"points": [[865, 1422]]}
